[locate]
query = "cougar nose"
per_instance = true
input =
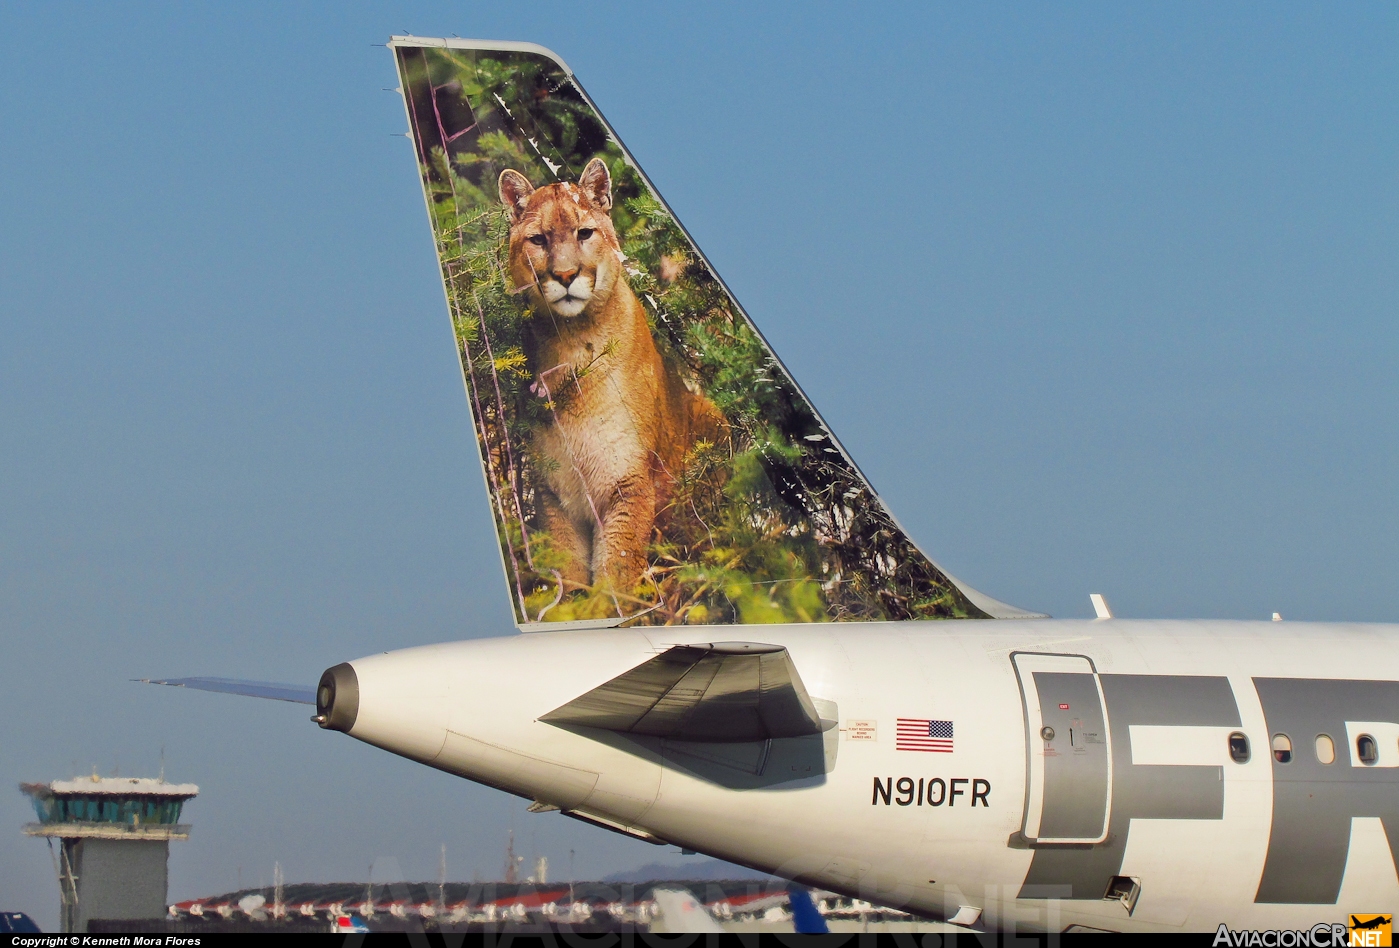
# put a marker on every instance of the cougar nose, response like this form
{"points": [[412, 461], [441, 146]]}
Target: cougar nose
{"points": [[565, 276]]}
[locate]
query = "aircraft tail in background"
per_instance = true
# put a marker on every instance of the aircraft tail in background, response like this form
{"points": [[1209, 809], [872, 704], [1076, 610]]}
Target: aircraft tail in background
{"points": [[806, 918], [678, 912], [648, 458]]}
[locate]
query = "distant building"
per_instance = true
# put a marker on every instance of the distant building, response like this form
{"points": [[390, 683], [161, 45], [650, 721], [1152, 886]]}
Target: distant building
{"points": [[114, 843]]}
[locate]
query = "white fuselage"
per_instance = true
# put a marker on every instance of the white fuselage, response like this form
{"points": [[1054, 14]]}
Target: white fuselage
{"points": [[1028, 830]]}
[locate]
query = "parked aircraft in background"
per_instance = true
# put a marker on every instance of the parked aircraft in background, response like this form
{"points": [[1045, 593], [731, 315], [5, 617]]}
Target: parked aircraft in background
{"points": [[733, 647]]}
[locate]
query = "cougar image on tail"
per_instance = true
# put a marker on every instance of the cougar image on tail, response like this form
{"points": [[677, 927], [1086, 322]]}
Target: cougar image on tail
{"points": [[625, 419]]}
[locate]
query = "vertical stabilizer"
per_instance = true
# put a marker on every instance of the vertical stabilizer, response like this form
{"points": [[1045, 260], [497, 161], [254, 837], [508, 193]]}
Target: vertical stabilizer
{"points": [[647, 456]]}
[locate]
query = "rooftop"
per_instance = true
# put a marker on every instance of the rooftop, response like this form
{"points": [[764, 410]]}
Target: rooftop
{"points": [[115, 786]]}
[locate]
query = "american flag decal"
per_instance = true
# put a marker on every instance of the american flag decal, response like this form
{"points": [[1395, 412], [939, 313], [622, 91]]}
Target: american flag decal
{"points": [[921, 734]]}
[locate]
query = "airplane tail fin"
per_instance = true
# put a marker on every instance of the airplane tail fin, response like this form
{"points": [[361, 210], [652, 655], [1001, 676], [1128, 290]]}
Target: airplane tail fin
{"points": [[678, 911], [806, 918], [648, 458]]}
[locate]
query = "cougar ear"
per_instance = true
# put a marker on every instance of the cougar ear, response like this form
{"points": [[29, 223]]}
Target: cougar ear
{"points": [[515, 190], [596, 182]]}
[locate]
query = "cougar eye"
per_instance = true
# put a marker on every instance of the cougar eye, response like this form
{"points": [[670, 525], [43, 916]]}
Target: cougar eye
{"points": [[539, 240], [584, 233]]}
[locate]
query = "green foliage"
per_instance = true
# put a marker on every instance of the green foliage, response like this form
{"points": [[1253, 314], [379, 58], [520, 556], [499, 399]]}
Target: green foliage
{"points": [[776, 525]]}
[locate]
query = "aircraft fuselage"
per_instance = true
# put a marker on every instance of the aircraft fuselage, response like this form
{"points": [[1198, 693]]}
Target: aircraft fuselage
{"points": [[1024, 768]]}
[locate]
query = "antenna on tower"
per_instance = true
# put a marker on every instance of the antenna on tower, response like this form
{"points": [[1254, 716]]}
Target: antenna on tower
{"points": [[511, 860], [442, 880]]}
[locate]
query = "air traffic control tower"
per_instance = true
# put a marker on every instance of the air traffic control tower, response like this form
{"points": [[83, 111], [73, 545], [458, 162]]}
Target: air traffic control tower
{"points": [[114, 835]]}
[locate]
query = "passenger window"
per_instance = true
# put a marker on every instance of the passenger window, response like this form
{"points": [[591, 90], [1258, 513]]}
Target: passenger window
{"points": [[1367, 750], [1325, 749], [1238, 747], [1282, 748]]}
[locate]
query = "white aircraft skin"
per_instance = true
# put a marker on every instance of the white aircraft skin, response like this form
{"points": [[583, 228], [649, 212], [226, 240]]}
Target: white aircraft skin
{"points": [[472, 707]]}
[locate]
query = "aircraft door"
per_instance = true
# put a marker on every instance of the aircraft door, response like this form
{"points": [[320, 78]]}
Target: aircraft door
{"points": [[1069, 786]]}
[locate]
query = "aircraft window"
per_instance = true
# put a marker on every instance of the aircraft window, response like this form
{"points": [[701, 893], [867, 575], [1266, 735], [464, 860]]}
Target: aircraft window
{"points": [[1367, 750], [1325, 749], [1238, 747], [1282, 748]]}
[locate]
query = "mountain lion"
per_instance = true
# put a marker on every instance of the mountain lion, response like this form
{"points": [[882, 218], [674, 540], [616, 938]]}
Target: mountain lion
{"points": [[624, 418]]}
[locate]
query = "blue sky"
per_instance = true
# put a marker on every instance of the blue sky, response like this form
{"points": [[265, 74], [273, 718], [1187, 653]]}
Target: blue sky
{"points": [[1102, 298]]}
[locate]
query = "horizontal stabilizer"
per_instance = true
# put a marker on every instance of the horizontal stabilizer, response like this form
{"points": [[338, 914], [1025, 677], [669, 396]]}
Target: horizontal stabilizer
{"points": [[719, 693], [298, 694]]}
